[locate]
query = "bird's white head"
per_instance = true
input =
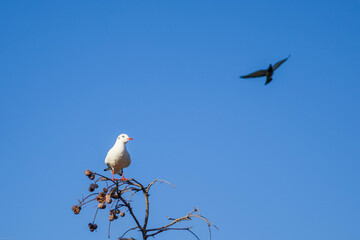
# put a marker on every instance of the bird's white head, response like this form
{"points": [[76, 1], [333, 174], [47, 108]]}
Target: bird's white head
{"points": [[124, 138]]}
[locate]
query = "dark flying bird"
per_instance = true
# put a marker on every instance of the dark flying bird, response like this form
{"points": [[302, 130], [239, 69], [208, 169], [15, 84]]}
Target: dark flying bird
{"points": [[268, 73]]}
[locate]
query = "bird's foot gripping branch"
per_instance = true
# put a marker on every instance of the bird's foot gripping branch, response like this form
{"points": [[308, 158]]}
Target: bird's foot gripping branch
{"points": [[115, 196]]}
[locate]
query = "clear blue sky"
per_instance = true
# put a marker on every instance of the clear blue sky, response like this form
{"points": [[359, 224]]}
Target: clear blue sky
{"points": [[273, 162]]}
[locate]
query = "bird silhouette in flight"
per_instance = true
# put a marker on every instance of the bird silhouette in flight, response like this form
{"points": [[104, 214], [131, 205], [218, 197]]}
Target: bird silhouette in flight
{"points": [[268, 73]]}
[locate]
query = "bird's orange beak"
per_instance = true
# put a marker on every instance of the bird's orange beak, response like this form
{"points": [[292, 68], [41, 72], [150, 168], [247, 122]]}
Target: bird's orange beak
{"points": [[130, 139]]}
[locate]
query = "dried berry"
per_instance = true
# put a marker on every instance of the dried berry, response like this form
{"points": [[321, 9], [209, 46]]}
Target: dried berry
{"points": [[88, 172], [108, 199], [122, 214], [115, 196], [100, 198], [101, 205], [92, 187], [91, 227], [116, 217], [111, 217], [95, 226], [76, 209], [92, 177], [117, 211], [105, 190]]}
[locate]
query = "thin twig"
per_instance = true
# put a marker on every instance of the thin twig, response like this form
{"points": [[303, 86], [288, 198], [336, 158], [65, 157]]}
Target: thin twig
{"points": [[187, 217], [169, 229], [128, 231], [109, 229], [95, 215], [83, 199], [158, 180]]}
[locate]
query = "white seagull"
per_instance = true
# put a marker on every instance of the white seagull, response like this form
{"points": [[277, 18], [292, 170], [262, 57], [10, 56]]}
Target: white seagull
{"points": [[118, 157]]}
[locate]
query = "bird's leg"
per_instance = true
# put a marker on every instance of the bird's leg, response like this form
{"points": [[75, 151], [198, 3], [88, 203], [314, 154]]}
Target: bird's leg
{"points": [[123, 178], [112, 171]]}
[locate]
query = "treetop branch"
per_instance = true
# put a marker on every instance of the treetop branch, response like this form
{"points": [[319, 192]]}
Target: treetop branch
{"points": [[116, 195]]}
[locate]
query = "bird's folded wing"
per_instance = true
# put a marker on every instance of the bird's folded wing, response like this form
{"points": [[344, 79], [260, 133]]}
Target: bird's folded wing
{"points": [[259, 73], [279, 63]]}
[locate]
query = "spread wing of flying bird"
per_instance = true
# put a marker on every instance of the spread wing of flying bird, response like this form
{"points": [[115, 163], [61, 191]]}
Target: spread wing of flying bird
{"points": [[276, 65], [259, 73]]}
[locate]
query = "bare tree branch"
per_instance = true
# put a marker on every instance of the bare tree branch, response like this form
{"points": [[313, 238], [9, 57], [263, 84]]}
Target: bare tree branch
{"points": [[131, 211], [120, 193], [169, 229], [158, 180], [127, 232]]}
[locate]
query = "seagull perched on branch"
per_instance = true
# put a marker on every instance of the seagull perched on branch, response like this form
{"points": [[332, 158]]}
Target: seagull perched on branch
{"points": [[268, 73], [118, 157]]}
